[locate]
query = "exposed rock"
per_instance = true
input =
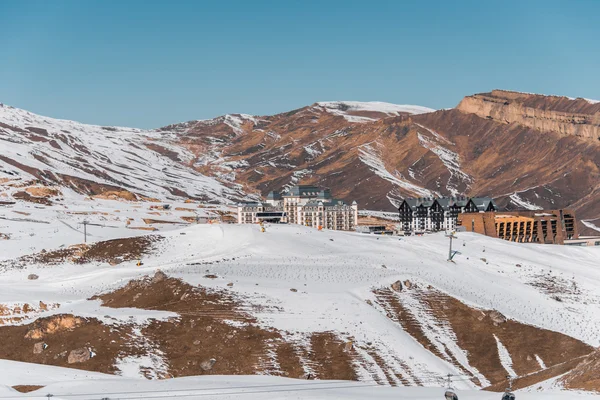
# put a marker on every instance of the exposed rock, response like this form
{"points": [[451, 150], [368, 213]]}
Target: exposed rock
{"points": [[79, 355], [545, 113], [497, 317], [208, 364], [39, 347], [52, 325], [32, 277], [159, 276], [397, 286], [408, 284]]}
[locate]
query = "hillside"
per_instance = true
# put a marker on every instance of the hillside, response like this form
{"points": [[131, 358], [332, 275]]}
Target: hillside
{"points": [[294, 301], [518, 148]]}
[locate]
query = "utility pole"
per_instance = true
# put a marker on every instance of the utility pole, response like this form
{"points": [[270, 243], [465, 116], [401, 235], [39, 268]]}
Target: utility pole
{"points": [[450, 254], [85, 222]]}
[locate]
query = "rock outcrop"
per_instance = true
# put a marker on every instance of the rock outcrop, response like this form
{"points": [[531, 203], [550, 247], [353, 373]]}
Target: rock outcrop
{"points": [[577, 117]]}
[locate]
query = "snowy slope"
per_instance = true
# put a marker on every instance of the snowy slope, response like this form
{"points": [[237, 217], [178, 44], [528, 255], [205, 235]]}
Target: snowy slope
{"points": [[142, 161], [63, 383], [334, 274], [351, 110]]}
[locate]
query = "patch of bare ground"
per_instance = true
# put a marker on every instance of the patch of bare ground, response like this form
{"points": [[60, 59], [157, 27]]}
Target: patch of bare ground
{"points": [[23, 195], [27, 388], [51, 340], [397, 312], [117, 195], [151, 221], [113, 251], [586, 375], [331, 360], [214, 325], [536, 377], [476, 330], [289, 360]]}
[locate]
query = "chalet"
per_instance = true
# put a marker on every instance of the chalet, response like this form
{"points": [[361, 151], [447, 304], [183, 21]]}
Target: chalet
{"points": [[428, 214]]}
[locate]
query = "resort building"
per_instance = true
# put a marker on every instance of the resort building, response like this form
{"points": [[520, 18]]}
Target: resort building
{"points": [[548, 226], [428, 214], [304, 205]]}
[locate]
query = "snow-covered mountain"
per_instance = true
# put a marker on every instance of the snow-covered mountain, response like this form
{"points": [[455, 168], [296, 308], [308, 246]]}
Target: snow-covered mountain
{"points": [[95, 159], [518, 148]]}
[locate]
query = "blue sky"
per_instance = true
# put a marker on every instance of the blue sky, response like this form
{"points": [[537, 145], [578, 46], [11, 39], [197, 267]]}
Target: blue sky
{"points": [[151, 63]]}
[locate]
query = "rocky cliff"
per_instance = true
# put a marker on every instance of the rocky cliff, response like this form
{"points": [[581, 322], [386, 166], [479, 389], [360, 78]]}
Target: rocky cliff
{"points": [[562, 115]]}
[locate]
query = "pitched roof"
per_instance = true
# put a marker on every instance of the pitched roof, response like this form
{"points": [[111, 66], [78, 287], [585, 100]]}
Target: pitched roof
{"points": [[483, 203]]}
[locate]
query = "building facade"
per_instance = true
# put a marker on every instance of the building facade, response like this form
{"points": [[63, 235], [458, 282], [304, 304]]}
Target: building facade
{"points": [[303, 204], [544, 227], [428, 214]]}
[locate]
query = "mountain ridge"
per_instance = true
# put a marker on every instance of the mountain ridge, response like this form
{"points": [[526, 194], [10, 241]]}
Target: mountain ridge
{"points": [[373, 152]]}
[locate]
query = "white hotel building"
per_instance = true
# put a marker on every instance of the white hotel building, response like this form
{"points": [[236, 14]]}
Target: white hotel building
{"points": [[304, 205]]}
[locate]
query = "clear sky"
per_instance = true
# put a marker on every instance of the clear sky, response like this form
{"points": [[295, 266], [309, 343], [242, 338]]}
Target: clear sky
{"points": [[150, 63]]}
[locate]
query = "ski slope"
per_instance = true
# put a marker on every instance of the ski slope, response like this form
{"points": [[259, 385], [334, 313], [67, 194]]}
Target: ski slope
{"points": [[64, 383], [334, 274]]}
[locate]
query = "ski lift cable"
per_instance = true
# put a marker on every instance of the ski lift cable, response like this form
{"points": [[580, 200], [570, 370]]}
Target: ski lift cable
{"points": [[284, 385]]}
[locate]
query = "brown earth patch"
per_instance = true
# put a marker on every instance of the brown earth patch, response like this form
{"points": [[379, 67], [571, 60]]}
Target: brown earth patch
{"points": [[586, 375], [27, 388], [43, 191], [204, 330], [127, 249], [151, 221], [107, 342], [536, 377], [397, 312], [23, 195], [288, 358], [475, 331], [329, 358], [173, 155], [117, 195]]}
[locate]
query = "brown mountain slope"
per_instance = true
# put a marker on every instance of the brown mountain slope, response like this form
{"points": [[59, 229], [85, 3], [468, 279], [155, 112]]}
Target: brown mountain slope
{"points": [[475, 149], [528, 151]]}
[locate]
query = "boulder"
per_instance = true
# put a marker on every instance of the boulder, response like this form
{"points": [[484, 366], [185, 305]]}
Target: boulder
{"points": [[293, 290], [207, 365], [159, 276], [497, 317], [32, 277], [78, 355], [397, 286], [39, 347], [407, 284]]}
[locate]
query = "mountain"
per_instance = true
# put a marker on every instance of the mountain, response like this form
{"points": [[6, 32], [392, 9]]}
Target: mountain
{"points": [[526, 150]]}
